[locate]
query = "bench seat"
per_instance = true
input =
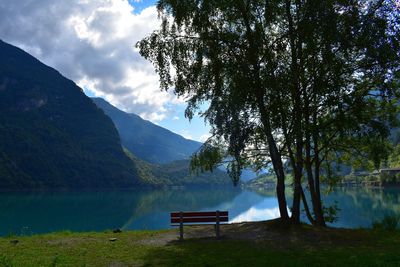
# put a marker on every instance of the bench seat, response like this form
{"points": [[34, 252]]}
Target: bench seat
{"points": [[181, 218]]}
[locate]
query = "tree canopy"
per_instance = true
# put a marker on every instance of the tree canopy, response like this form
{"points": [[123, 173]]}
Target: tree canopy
{"points": [[288, 82]]}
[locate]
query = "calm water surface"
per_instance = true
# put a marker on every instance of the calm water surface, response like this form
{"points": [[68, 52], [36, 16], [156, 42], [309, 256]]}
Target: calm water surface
{"points": [[30, 213]]}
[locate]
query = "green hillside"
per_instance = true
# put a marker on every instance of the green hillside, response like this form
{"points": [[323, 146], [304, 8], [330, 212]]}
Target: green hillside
{"points": [[147, 140], [161, 156], [176, 173], [51, 134]]}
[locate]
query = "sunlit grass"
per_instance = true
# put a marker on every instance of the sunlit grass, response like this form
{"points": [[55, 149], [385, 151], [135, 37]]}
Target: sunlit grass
{"points": [[137, 248]]}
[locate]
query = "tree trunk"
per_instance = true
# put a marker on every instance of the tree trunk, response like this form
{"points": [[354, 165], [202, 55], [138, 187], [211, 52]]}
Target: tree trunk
{"points": [[280, 174], [319, 213], [275, 158], [296, 196], [308, 111], [306, 208], [297, 115], [259, 95]]}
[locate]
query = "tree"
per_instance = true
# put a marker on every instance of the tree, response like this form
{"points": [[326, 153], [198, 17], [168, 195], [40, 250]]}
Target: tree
{"points": [[286, 81]]}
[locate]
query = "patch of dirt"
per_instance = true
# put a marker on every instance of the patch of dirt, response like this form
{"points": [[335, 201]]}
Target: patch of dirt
{"points": [[160, 239], [270, 233]]}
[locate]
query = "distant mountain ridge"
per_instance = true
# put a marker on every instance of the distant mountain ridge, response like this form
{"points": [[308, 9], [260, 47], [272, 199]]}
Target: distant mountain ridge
{"points": [[162, 157], [51, 134], [177, 173], [146, 140]]}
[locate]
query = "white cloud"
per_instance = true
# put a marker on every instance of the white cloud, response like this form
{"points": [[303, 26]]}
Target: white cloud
{"points": [[175, 118], [204, 137], [255, 214], [92, 43], [186, 134]]}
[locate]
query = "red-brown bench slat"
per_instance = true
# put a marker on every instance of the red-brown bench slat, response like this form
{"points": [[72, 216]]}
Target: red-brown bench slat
{"points": [[199, 214], [198, 219]]}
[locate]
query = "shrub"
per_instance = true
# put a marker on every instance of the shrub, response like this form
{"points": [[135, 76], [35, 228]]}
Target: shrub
{"points": [[387, 177], [389, 223], [331, 212]]}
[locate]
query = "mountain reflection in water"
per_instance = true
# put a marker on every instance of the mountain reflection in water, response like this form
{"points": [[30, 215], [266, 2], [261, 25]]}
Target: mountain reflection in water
{"points": [[30, 213]]}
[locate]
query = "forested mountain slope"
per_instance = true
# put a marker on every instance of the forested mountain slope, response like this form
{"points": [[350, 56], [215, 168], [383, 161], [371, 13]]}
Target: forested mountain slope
{"points": [[51, 134], [147, 140]]}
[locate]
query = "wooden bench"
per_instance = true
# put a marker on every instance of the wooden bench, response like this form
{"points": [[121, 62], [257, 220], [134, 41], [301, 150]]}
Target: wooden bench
{"points": [[198, 218]]}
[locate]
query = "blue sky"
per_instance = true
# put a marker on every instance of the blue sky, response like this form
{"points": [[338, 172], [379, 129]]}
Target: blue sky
{"points": [[195, 129], [93, 44], [139, 5]]}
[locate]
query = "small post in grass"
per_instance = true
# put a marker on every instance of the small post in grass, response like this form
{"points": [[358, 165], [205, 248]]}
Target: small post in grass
{"points": [[181, 226], [217, 225]]}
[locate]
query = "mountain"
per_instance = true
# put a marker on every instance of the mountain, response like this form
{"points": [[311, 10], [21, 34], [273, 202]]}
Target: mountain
{"points": [[51, 134], [147, 140], [177, 173], [161, 156]]}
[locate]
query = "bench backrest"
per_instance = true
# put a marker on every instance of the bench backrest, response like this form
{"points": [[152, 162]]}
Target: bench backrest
{"points": [[199, 217]]}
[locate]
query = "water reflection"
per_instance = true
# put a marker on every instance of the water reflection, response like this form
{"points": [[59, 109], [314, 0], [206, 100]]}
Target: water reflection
{"points": [[359, 207], [153, 209], [257, 214], [29, 213]]}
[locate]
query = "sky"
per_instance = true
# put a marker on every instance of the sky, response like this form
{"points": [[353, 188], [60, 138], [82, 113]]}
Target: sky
{"points": [[92, 42]]}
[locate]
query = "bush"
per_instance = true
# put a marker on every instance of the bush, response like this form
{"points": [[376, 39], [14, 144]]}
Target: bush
{"points": [[387, 177], [331, 212], [397, 178], [389, 223]]}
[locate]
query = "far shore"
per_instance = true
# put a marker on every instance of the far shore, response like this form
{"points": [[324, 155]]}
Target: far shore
{"points": [[111, 189]]}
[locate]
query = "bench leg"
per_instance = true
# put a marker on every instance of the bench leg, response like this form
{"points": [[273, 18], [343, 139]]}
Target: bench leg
{"points": [[181, 226], [181, 231], [217, 225]]}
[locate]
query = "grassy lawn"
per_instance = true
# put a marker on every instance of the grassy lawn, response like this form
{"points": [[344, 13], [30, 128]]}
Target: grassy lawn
{"points": [[302, 246]]}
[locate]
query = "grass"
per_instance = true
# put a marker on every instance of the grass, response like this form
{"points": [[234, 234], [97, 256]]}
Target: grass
{"points": [[300, 246]]}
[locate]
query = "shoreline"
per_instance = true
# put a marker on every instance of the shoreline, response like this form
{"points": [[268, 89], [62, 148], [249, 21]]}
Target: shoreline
{"points": [[116, 189]]}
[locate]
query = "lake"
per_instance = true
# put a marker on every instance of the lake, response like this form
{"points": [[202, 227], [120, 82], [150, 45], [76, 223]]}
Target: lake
{"points": [[31, 213]]}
